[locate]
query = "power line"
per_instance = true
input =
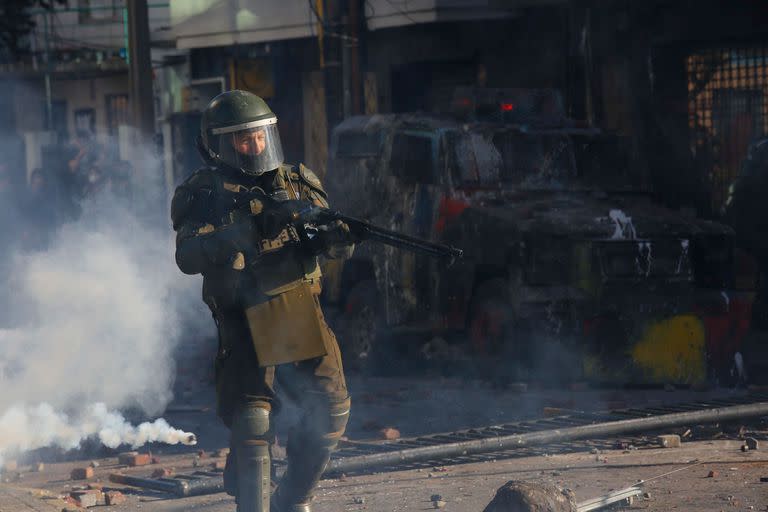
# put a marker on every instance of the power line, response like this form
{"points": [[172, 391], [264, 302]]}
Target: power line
{"points": [[402, 12]]}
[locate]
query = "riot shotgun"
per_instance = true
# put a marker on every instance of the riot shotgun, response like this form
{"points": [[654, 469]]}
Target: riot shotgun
{"points": [[301, 213]]}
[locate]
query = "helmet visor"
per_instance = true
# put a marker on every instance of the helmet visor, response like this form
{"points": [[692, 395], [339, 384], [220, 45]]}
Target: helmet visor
{"points": [[252, 149]]}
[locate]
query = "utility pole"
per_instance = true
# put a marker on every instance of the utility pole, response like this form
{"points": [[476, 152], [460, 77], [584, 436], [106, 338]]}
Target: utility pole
{"points": [[333, 61], [140, 66], [353, 43]]}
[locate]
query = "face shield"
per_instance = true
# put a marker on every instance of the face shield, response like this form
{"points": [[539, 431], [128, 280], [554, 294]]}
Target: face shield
{"points": [[253, 147]]}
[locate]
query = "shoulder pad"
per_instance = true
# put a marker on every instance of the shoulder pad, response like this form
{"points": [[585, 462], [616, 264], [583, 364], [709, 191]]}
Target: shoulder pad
{"points": [[310, 178], [203, 177], [199, 185], [181, 206]]}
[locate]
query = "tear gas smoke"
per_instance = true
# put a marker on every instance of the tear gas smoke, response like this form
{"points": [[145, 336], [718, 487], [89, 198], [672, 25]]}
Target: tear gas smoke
{"points": [[27, 428], [89, 325]]}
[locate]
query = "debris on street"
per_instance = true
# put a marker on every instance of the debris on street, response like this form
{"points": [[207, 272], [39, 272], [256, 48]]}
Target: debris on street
{"points": [[669, 441], [517, 496], [82, 473]]}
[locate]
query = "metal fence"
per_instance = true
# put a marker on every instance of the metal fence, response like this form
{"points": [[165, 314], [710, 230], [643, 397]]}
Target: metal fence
{"points": [[727, 110]]}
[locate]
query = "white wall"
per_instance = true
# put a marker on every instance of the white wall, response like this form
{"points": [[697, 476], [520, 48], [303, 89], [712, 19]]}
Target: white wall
{"points": [[203, 23]]}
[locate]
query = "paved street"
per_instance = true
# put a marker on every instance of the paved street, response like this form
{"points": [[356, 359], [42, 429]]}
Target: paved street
{"points": [[417, 407]]}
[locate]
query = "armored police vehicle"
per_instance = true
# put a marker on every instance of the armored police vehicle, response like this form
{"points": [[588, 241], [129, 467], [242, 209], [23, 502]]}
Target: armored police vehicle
{"points": [[570, 271]]}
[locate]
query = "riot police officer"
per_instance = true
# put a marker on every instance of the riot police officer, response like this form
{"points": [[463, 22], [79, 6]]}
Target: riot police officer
{"points": [[262, 287]]}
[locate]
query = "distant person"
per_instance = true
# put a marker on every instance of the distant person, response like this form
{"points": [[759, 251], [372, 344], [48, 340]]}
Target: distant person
{"points": [[85, 154]]}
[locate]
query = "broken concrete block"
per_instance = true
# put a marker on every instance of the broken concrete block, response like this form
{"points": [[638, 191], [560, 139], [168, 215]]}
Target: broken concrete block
{"points": [[439, 504], [87, 498], [219, 465], [94, 464], [134, 459], [389, 433], [114, 498], [713, 474], [162, 473], [751, 443], [669, 441], [222, 452], [531, 497], [81, 473]]}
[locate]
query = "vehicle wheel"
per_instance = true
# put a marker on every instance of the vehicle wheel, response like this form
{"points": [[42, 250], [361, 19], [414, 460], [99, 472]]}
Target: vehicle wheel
{"points": [[491, 331], [359, 325], [490, 317]]}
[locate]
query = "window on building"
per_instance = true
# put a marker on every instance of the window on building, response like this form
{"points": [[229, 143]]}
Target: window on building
{"points": [[118, 112], [412, 158], [100, 10]]}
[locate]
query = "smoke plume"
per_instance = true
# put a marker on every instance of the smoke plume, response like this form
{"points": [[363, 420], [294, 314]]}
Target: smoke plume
{"points": [[88, 326], [24, 429]]}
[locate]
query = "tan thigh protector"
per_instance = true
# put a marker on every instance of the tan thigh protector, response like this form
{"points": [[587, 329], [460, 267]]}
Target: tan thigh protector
{"points": [[288, 328]]}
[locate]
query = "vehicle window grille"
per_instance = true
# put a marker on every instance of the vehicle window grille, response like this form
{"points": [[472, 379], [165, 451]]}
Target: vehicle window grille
{"points": [[727, 110]]}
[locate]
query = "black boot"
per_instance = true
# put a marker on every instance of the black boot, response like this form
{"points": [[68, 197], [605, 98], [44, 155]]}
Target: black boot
{"points": [[305, 467]]}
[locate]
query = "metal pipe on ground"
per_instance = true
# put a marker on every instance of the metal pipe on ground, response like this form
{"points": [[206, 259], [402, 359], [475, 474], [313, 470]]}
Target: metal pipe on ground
{"points": [[609, 499], [501, 443], [202, 482]]}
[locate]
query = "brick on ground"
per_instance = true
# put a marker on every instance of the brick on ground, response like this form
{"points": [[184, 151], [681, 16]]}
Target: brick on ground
{"points": [[134, 459], [669, 441], [162, 473], [81, 473], [114, 498], [389, 433], [87, 498]]}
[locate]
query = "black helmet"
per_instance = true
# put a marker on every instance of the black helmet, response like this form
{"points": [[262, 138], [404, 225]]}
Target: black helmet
{"points": [[239, 130]]}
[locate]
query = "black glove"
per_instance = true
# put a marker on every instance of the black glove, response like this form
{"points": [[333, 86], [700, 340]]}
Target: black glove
{"points": [[222, 245], [329, 236], [277, 215]]}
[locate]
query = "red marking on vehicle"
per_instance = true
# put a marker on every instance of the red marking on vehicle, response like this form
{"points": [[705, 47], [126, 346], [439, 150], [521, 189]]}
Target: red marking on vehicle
{"points": [[507, 107], [726, 330], [448, 210]]}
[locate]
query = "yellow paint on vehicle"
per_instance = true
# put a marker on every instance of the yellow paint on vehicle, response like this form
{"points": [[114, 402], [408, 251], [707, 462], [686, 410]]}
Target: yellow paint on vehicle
{"points": [[672, 351]]}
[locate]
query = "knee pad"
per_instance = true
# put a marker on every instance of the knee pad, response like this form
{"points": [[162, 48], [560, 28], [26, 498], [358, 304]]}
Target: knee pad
{"points": [[251, 423], [338, 418], [325, 421]]}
